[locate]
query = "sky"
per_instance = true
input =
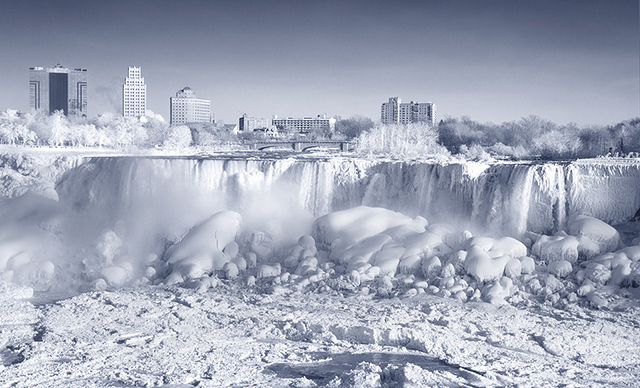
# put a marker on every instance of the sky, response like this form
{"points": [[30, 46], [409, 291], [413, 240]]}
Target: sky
{"points": [[493, 60]]}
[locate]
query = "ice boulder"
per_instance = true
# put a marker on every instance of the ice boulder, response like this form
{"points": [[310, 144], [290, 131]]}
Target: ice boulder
{"points": [[498, 291], [37, 275], [258, 242], [363, 250], [268, 271], [431, 267], [632, 252], [560, 268], [513, 269], [115, 276], [528, 265], [601, 233], [409, 264], [308, 242], [230, 270], [200, 250], [481, 266], [420, 243], [359, 223], [458, 240], [487, 257], [400, 232], [560, 247]]}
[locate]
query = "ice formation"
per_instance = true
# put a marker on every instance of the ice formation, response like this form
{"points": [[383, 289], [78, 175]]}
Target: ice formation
{"points": [[178, 220], [509, 198]]}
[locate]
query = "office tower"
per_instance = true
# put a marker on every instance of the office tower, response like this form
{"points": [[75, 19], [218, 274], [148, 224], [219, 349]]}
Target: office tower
{"points": [[186, 108], [397, 112], [58, 88], [134, 94]]}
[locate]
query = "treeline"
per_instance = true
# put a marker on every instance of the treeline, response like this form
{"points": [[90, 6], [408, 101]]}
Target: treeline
{"points": [[532, 137], [528, 138], [107, 130]]}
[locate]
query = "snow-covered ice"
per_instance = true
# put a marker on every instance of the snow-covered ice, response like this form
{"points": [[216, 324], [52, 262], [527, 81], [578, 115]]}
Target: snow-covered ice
{"points": [[338, 272]]}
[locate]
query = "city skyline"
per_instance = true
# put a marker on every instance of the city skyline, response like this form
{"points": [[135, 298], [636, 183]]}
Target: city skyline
{"points": [[492, 60]]}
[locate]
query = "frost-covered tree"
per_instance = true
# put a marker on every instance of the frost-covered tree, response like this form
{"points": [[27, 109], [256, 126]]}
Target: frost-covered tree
{"points": [[59, 127], [412, 140], [179, 137]]}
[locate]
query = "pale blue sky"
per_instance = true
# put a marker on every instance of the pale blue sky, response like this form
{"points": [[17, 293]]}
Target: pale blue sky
{"points": [[493, 60]]}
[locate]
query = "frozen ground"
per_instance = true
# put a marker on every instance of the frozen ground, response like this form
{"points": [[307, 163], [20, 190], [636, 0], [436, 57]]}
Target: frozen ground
{"points": [[234, 336], [172, 292]]}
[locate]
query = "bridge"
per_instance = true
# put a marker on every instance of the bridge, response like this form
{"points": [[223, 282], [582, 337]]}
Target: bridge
{"points": [[302, 146]]}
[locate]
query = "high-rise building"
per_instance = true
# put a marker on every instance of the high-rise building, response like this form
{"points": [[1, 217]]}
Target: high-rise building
{"points": [[306, 124], [250, 124], [134, 94], [186, 108], [58, 88], [389, 111], [397, 112]]}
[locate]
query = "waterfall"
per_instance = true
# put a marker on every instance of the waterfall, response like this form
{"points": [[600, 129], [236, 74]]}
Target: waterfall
{"points": [[509, 198]]}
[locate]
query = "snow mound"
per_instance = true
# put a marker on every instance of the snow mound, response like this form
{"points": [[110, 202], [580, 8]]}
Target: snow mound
{"points": [[604, 235], [487, 257], [360, 222], [200, 251]]}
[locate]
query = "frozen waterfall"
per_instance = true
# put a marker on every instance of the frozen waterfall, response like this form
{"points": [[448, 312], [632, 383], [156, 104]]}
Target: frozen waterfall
{"points": [[507, 197]]}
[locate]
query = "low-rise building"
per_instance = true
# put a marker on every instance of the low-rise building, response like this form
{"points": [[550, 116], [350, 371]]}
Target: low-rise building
{"points": [[250, 124], [305, 124]]}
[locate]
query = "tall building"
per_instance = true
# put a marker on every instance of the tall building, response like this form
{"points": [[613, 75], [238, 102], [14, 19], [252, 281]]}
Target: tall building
{"points": [[306, 124], [186, 108], [58, 88], [389, 111], [397, 112], [249, 124], [134, 94]]}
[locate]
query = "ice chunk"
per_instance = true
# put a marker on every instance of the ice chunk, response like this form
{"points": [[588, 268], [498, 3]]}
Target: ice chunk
{"points": [[365, 249], [487, 257], [37, 275], [603, 234], [307, 242], [560, 268], [498, 291], [268, 271], [509, 246], [598, 273], [115, 276], [431, 267], [400, 232], [513, 269], [419, 243], [481, 266], [555, 248], [528, 265], [202, 245], [632, 252], [358, 223], [231, 250], [409, 264], [230, 270]]}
